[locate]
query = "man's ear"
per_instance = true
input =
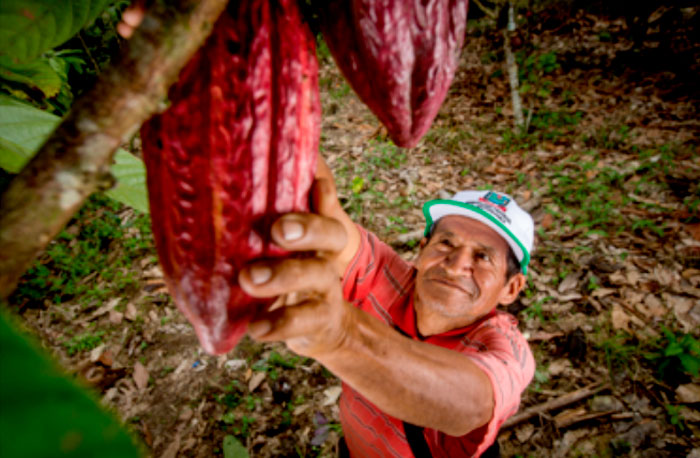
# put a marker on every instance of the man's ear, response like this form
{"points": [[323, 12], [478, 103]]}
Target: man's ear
{"points": [[423, 243], [512, 288]]}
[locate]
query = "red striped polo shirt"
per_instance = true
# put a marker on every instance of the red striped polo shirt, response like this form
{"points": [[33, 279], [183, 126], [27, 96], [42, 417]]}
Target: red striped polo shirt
{"points": [[380, 283]]}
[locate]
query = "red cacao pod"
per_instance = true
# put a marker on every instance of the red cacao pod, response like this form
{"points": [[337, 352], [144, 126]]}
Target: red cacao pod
{"points": [[399, 56], [236, 148]]}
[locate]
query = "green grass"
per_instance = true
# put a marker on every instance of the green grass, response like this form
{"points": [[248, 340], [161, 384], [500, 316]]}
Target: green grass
{"points": [[83, 342], [91, 260], [362, 183]]}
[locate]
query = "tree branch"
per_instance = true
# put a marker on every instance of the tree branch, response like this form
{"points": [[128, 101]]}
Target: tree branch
{"points": [[76, 158], [556, 403]]}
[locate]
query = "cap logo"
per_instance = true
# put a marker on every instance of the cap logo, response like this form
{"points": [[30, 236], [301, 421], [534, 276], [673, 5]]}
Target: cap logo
{"points": [[497, 200]]}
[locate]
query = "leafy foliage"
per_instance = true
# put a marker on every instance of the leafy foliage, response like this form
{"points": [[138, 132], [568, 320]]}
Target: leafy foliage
{"points": [[44, 413], [45, 57], [677, 354], [32, 27], [23, 128]]}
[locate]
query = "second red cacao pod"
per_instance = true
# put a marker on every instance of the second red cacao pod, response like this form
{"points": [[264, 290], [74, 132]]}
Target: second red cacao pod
{"points": [[236, 148], [399, 56]]}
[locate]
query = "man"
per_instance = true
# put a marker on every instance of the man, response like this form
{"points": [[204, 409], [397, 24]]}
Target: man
{"points": [[429, 367]]}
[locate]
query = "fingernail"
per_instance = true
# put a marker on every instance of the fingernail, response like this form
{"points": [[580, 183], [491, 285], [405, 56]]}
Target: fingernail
{"points": [[260, 274], [292, 230]]}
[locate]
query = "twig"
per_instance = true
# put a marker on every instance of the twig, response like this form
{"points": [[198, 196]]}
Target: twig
{"points": [[556, 403], [87, 51], [512, 68], [68, 167], [565, 422], [487, 11]]}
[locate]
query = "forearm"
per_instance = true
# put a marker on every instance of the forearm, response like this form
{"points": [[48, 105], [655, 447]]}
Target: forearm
{"points": [[416, 382]]}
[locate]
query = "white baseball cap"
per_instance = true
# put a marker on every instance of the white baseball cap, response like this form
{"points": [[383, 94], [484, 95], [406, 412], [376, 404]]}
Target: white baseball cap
{"points": [[497, 210]]}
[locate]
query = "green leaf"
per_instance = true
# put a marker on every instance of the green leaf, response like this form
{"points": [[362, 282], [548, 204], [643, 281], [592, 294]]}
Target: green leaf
{"points": [[690, 363], [233, 448], [24, 128], [44, 413], [38, 74], [12, 156], [28, 28], [130, 173], [357, 184]]}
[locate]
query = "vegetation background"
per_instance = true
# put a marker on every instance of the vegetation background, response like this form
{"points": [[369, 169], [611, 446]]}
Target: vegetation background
{"points": [[607, 163]]}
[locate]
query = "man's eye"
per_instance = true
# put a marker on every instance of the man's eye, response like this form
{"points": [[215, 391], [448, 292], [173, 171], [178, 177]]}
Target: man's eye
{"points": [[484, 256], [446, 242]]}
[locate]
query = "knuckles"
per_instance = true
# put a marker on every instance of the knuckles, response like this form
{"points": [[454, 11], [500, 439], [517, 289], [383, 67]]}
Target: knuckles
{"points": [[289, 275], [309, 232]]}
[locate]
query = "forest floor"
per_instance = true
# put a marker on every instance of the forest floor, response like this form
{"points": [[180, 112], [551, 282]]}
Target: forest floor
{"points": [[609, 169]]}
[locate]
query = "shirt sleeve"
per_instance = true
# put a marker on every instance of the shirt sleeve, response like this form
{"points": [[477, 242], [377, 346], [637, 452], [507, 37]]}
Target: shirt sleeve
{"points": [[509, 365]]}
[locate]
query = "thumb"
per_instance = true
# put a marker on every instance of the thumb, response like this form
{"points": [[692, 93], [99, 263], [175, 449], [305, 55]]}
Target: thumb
{"points": [[324, 197]]}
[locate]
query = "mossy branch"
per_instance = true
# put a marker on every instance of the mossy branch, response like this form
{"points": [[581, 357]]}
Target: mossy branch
{"points": [[72, 163]]}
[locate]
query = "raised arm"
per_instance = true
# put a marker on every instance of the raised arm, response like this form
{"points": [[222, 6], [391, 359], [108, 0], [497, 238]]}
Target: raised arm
{"points": [[420, 383]]}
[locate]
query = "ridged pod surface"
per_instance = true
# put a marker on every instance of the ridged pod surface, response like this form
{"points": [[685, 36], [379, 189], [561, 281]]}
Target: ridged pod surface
{"points": [[236, 148], [399, 56]]}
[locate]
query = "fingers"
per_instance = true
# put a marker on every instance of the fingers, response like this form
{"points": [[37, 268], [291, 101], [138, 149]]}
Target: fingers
{"points": [[309, 232], [131, 19], [274, 278], [285, 323]]}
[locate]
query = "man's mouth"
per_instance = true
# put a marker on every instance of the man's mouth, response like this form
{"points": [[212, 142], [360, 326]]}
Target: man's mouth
{"points": [[471, 289]]}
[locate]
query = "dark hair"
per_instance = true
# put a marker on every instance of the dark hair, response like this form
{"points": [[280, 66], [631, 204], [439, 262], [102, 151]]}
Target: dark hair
{"points": [[512, 264]]}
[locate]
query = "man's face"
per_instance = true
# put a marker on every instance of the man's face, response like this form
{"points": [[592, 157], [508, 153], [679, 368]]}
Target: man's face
{"points": [[461, 275]]}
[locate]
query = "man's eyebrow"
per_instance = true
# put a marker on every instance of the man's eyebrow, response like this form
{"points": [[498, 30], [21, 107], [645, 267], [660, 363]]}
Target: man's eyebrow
{"points": [[487, 248]]}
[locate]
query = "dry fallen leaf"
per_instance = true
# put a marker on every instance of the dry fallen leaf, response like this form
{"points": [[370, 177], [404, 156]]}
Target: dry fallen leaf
{"points": [[559, 366], [525, 432], [96, 352], [255, 381], [568, 283], [689, 393], [131, 312], [106, 358], [115, 317], [654, 306], [332, 394], [140, 376], [173, 448], [547, 221], [693, 230], [620, 320]]}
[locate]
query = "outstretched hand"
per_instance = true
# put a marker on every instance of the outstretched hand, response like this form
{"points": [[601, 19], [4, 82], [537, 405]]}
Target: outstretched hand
{"points": [[310, 315]]}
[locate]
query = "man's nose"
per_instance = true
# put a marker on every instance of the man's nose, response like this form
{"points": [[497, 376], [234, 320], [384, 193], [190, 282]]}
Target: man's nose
{"points": [[460, 261]]}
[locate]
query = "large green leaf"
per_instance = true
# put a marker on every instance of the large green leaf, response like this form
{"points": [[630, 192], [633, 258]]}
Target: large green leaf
{"points": [[30, 27], [37, 74], [24, 128], [44, 414], [12, 156], [24, 125], [131, 181]]}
